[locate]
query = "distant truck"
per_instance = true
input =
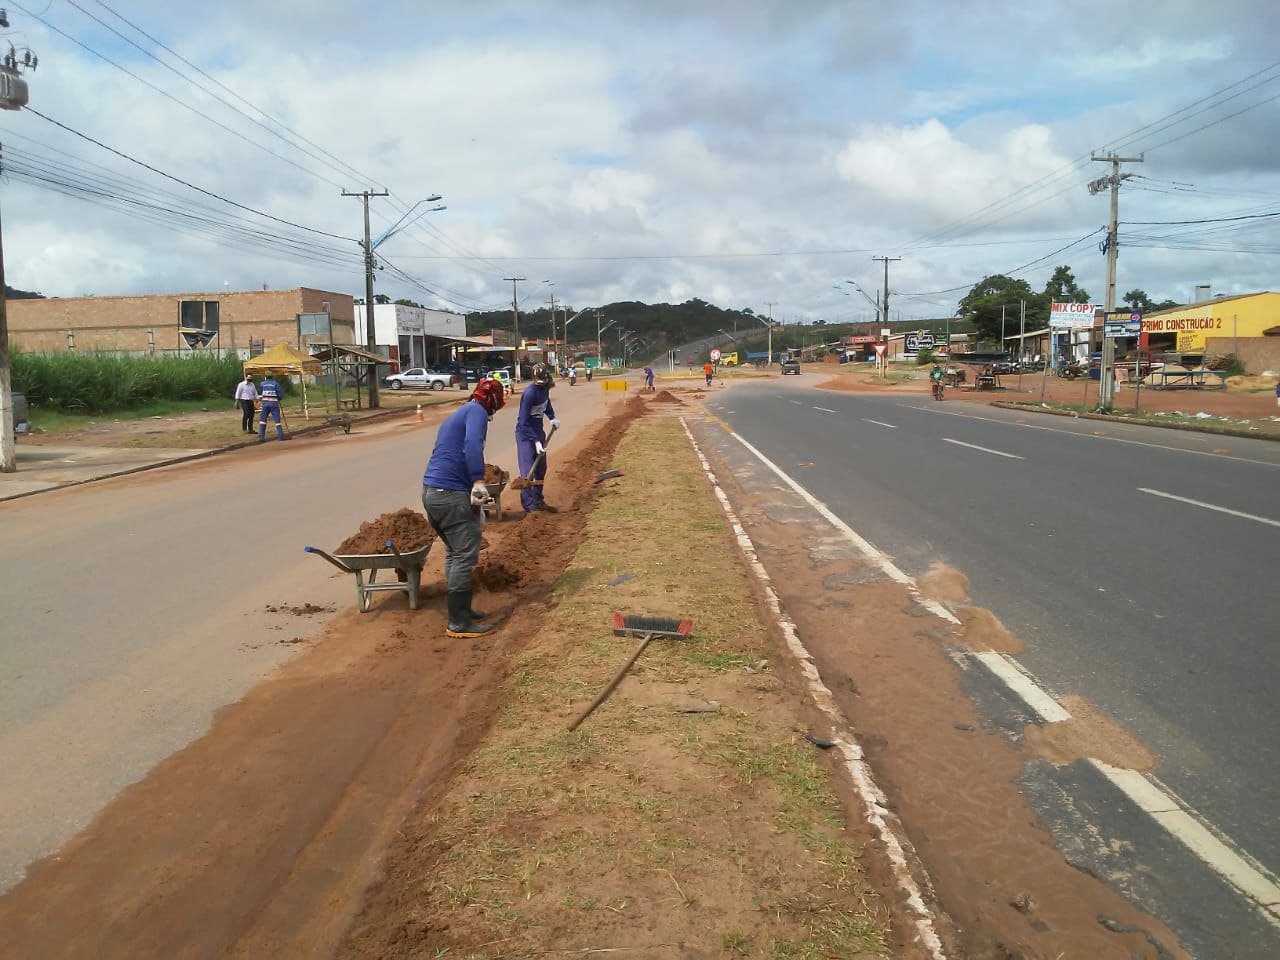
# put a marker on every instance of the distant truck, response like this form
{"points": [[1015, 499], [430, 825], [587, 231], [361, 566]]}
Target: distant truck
{"points": [[729, 359]]}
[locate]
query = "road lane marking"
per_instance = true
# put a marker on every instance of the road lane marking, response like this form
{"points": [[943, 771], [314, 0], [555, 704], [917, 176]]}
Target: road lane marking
{"points": [[875, 804], [880, 423], [872, 553], [974, 446], [1013, 677], [824, 409], [1188, 828], [797, 403], [1209, 506], [1088, 436]]}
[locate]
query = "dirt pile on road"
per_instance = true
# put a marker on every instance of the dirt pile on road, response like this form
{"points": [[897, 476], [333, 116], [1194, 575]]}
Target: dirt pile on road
{"points": [[666, 396], [406, 528], [495, 474]]}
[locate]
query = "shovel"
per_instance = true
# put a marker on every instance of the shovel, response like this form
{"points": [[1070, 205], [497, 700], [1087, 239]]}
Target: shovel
{"points": [[527, 480]]}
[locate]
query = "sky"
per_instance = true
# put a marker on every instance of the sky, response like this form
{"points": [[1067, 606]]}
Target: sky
{"points": [[741, 152]]}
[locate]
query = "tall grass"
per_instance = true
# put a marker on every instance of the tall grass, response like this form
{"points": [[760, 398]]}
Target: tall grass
{"points": [[98, 382]]}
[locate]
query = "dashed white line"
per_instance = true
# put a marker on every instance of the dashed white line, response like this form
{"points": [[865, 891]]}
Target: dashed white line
{"points": [[880, 423], [824, 409], [1088, 436], [1209, 506], [974, 446], [797, 403]]}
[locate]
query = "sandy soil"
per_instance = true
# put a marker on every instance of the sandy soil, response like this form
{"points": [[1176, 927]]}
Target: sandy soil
{"points": [[260, 839], [954, 782]]}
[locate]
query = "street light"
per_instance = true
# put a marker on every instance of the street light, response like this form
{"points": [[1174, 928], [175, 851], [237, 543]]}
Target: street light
{"points": [[599, 335], [396, 227]]}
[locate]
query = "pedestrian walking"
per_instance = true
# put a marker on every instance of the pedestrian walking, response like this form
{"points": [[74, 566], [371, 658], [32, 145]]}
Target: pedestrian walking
{"points": [[531, 439], [454, 495], [708, 371], [246, 397], [270, 393]]}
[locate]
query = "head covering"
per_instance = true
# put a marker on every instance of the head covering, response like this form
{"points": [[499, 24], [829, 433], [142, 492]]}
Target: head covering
{"points": [[491, 395]]}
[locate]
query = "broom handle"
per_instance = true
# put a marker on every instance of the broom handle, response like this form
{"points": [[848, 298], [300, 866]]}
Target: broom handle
{"points": [[604, 694]]}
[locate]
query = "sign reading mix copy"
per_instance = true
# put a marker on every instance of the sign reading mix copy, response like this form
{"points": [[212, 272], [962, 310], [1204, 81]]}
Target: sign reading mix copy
{"points": [[1071, 316]]}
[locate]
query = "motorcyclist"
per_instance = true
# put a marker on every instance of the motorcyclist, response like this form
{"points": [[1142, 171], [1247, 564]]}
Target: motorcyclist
{"points": [[454, 494], [535, 403], [936, 376], [573, 376]]}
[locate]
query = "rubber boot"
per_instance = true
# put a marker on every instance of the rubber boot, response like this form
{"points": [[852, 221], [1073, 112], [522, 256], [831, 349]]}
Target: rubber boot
{"points": [[461, 623]]}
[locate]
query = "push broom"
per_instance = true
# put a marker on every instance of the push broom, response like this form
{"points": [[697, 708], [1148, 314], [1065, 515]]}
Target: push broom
{"points": [[647, 628]]}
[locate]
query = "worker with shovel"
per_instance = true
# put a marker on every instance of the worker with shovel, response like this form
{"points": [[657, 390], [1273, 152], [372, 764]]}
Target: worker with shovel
{"points": [[531, 440], [270, 393], [454, 495]]}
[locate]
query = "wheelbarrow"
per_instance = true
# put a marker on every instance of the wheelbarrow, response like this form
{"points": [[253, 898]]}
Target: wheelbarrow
{"points": [[408, 568], [495, 493]]}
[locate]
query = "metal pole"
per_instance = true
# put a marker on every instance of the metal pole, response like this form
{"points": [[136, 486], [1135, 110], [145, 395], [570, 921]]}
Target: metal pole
{"points": [[1022, 339], [369, 329], [515, 320], [8, 449]]}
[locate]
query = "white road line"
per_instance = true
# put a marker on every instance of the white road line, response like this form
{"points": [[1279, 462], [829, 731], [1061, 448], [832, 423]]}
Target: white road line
{"points": [[1208, 506], [880, 559], [1236, 868], [824, 409], [1090, 436], [875, 804], [1049, 710], [974, 446], [797, 403], [879, 423]]}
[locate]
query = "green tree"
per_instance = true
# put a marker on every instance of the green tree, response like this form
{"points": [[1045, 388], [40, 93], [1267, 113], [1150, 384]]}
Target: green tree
{"points": [[1062, 287], [402, 302], [982, 305], [381, 298], [1138, 300]]}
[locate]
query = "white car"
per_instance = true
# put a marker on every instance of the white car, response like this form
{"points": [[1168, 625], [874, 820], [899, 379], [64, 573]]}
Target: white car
{"points": [[417, 378]]}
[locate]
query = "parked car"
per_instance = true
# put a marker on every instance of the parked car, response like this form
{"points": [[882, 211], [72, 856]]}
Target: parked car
{"points": [[503, 376], [418, 378], [791, 365]]}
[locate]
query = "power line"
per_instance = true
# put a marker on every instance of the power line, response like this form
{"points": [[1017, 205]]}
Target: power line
{"points": [[1169, 223], [185, 183], [1009, 273], [178, 100]]}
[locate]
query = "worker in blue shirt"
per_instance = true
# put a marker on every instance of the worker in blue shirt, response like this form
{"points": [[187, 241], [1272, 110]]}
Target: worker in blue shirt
{"points": [[535, 403], [269, 393], [454, 496]]}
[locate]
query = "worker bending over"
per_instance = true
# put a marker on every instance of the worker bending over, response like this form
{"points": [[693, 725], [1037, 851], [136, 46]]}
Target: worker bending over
{"points": [[454, 494], [535, 403]]}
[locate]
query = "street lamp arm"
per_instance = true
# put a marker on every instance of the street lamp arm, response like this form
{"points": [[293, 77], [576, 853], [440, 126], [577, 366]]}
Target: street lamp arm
{"points": [[395, 227]]}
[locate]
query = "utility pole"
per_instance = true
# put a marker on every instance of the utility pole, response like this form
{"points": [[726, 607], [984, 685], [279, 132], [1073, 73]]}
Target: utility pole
{"points": [[515, 320], [770, 304], [884, 300], [14, 98], [553, 330], [1106, 391], [370, 335]]}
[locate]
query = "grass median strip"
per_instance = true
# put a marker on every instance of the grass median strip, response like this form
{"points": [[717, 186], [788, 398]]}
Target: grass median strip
{"points": [[685, 812]]}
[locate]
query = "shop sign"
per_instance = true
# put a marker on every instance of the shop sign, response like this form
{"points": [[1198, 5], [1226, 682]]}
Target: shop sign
{"points": [[1181, 324], [1071, 316]]}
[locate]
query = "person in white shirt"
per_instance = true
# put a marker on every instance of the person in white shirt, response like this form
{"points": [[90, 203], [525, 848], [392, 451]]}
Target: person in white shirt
{"points": [[246, 396]]}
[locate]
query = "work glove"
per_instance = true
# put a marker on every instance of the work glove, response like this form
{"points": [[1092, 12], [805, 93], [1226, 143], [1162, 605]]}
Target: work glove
{"points": [[555, 424], [538, 448], [479, 494]]}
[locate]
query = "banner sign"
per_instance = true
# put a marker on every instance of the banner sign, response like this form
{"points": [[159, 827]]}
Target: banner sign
{"points": [[1071, 316]]}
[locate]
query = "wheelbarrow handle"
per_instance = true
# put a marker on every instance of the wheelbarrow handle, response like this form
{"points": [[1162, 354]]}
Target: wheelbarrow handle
{"points": [[336, 562]]}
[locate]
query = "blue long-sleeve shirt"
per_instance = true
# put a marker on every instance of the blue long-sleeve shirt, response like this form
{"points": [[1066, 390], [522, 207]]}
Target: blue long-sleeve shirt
{"points": [[535, 402], [458, 458]]}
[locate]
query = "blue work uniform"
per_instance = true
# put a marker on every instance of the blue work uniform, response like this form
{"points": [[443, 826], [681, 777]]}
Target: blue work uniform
{"points": [[457, 462], [535, 403], [269, 393]]}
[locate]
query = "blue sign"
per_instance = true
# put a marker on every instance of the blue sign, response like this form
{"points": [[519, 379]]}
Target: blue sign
{"points": [[1123, 328]]}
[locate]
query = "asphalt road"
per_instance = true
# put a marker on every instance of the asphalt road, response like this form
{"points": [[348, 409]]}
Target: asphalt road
{"points": [[1163, 612], [135, 608]]}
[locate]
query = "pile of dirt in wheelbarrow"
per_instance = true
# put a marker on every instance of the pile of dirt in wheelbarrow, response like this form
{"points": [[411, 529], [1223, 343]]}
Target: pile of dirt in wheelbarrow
{"points": [[406, 528], [666, 396], [495, 474]]}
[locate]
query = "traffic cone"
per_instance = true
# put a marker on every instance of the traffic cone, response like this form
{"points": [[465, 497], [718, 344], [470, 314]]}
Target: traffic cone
{"points": [[419, 413]]}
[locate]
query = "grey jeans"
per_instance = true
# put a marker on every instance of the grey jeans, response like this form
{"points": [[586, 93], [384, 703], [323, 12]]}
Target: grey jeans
{"points": [[455, 521]]}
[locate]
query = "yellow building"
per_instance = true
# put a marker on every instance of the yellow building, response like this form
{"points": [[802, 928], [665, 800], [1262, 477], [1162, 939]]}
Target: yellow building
{"points": [[1187, 329]]}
